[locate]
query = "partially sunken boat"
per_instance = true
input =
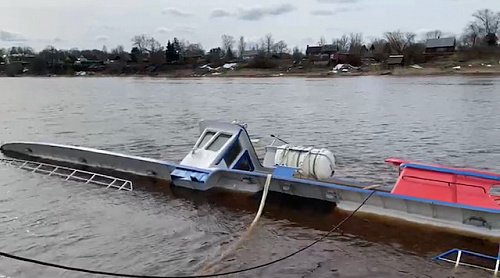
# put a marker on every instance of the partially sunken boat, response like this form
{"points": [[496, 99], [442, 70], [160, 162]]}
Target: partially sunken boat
{"points": [[461, 200]]}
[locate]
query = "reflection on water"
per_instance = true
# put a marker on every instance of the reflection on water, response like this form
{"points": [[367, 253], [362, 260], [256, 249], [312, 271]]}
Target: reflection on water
{"points": [[159, 230]]}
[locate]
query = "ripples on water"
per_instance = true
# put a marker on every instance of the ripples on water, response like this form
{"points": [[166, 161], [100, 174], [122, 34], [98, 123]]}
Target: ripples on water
{"points": [[158, 231]]}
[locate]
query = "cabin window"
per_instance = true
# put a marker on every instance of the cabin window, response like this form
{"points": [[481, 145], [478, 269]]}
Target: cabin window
{"points": [[217, 144], [206, 138], [233, 152]]}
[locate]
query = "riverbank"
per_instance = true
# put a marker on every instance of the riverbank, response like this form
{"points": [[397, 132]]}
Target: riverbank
{"points": [[477, 70]]}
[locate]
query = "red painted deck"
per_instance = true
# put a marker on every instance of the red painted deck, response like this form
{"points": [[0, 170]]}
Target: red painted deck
{"points": [[456, 185]]}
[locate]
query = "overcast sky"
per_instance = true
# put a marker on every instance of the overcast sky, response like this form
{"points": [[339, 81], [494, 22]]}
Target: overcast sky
{"points": [[94, 23]]}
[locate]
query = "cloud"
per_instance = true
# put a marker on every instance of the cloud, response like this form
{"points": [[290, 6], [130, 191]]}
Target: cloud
{"points": [[322, 12], [176, 29], [11, 37], [162, 30], [334, 12], [219, 13], [184, 29], [257, 13], [338, 1], [101, 38], [56, 39], [175, 12], [254, 13]]}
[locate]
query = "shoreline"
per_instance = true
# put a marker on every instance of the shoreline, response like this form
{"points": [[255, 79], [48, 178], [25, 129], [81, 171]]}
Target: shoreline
{"points": [[245, 73]]}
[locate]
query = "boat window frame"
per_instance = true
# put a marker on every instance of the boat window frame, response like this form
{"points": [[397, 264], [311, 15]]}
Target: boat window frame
{"points": [[202, 137], [215, 137]]}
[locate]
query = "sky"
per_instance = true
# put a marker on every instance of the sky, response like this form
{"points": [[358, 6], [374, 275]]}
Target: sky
{"points": [[91, 24]]}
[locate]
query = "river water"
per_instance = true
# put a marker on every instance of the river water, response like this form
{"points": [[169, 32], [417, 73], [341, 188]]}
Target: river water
{"points": [[157, 230]]}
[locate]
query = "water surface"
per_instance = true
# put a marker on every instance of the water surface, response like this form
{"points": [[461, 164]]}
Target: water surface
{"points": [[156, 230]]}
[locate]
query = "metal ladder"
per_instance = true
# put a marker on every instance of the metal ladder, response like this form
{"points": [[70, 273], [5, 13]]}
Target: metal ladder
{"points": [[70, 173], [460, 252]]}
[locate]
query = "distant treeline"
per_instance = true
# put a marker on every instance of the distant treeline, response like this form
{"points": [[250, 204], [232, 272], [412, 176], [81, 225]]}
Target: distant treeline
{"points": [[148, 55]]}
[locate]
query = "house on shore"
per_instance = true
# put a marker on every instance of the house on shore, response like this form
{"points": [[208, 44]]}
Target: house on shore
{"points": [[395, 61], [248, 55], [192, 57], [321, 54], [321, 51], [440, 46]]}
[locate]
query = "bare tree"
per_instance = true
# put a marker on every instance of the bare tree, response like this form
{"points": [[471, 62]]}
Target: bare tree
{"points": [[355, 42], [195, 48], [267, 43], [377, 45], [342, 43], [322, 41], [436, 34], [227, 43], [297, 55], [140, 41], [487, 21], [28, 50], [118, 50], [399, 41], [156, 53], [281, 47], [153, 46], [471, 35], [242, 45]]}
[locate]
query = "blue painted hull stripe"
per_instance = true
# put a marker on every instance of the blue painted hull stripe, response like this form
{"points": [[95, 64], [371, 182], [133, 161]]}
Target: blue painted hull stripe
{"points": [[336, 186], [450, 171]]}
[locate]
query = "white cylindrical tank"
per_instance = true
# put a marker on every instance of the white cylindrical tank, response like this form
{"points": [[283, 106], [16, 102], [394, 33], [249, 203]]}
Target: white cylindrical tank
{"points": [[315, 163]]}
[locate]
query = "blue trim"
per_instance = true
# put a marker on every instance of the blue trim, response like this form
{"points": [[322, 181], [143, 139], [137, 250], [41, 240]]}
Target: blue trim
{"points": [[257, 162], [192, 176], [336, 186], [283, 172], [441, 256], [381, 193], [450, 171], [246, 156], [392, 195], [185, 167]]}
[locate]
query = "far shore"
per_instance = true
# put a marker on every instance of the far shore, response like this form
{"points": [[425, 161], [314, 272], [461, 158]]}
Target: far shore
{"points": [[315, 73]]}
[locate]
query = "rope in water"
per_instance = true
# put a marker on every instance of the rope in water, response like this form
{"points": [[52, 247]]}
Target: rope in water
{"points": [[97, 272], [249, 230], [262, 201]]}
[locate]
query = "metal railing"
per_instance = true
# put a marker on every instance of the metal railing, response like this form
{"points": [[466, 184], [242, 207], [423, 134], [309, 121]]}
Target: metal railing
{"points": [[70, 174], [461, 252]]}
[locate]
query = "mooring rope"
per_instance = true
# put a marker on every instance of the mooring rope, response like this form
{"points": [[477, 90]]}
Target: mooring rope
{"points": [[262, 201], [97, 272], [248, 231]]}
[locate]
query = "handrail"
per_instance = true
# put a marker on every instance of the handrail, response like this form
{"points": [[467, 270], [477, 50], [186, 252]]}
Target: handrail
{"points": [[460, 252], [451, 171], [448, 183], [70, 173]]}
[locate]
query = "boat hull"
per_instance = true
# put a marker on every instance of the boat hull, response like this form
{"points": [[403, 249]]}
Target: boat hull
{"points": [[461, 219], [94, 158], [464, 219], [468, 220]]}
